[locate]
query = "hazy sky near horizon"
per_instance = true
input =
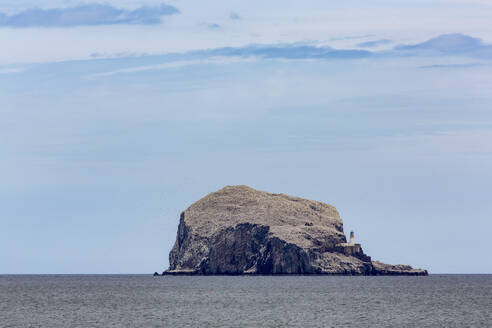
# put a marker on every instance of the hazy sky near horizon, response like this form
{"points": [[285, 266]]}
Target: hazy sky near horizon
{"points": [[115, 116]]}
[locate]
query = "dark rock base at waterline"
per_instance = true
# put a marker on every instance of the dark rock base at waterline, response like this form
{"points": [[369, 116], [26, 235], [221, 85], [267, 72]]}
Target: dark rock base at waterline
{"points": [[373, 274]]}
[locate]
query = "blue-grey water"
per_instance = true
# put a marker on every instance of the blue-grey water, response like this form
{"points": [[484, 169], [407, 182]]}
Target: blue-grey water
{"points": [[241, 301]]}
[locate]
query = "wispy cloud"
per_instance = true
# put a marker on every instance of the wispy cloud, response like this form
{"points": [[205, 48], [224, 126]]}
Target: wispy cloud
{"points": [[288, 51], [228, 55], [375, 43], [468, 65], [170, 65], [249, 53], [302, 51], [351, 37], [88, 14]]}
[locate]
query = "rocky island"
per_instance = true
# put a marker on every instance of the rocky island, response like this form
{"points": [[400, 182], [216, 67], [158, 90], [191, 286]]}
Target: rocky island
{"points": [[239, 230]]}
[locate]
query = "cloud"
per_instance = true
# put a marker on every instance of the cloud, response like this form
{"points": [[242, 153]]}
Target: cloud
{"points": [[229, 55], [447, 43], [288, 51], [170, 65], [352, 37], [234, 16], [375, 43], [88, 14], [469, 65], [214, 26], [292, 51]]}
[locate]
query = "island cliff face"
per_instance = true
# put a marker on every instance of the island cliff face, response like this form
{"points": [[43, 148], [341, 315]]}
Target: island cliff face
{"points": [[240, 230]]}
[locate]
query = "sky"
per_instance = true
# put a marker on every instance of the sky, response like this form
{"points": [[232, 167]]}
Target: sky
{"points": [[116, 116]]}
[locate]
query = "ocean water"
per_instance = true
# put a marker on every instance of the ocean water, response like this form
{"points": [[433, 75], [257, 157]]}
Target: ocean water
{"points": [[245, 301]]}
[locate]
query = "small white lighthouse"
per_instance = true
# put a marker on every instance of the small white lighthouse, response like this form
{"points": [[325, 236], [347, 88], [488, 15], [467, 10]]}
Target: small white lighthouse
{"points": [[352, 239]]}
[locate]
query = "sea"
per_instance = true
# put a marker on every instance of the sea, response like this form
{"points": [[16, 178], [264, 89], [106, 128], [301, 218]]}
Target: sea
{"points": [[245, 301]]}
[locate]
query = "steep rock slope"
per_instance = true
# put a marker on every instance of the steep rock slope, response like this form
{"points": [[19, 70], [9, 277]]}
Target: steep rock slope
{"points": [[240, 230]]}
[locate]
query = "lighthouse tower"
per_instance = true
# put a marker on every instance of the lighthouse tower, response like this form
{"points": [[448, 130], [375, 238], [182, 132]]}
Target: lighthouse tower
{"points": [[352, 239]]}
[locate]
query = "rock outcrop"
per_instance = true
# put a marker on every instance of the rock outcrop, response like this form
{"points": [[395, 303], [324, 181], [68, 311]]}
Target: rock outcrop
{"points": [[240, 230]]}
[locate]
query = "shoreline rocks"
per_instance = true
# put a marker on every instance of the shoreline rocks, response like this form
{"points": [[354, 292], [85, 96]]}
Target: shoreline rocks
{"points": [[242, 231]]}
